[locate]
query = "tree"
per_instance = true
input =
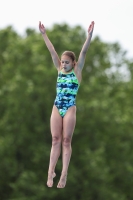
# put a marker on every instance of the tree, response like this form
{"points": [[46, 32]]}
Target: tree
{"points": [[101, 163]]}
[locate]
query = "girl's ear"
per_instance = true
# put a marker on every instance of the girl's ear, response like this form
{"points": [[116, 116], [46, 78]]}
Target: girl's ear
{"points": [[74, 63]]}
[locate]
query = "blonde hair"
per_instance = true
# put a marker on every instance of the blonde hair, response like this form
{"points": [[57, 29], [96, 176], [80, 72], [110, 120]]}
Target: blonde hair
{"points": [[70, 54]]}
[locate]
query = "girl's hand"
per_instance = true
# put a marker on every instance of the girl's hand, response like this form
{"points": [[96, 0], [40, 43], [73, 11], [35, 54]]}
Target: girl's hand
{"points": [[91, 27], [42, 28]]}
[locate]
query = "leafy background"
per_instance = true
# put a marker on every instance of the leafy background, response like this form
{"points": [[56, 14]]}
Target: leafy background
{"points": [[101, 166]]}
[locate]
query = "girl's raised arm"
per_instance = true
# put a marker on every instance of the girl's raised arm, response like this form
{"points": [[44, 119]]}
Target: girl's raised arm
{"points": [[82, 55], [50, 46]]}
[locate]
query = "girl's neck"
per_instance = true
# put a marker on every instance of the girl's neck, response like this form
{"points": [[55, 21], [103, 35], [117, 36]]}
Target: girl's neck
{"points": [[66, 72]]}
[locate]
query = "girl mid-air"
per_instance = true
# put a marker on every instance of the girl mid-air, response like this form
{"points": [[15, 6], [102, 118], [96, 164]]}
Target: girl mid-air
{"points": [[63, 117]]}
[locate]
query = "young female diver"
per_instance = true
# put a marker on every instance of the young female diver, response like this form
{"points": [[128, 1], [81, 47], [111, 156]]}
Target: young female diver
{"points": [[63, 117]]}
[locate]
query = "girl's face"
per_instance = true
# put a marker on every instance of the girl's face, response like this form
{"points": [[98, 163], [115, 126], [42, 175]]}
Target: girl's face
{"points": [[66, 63]]}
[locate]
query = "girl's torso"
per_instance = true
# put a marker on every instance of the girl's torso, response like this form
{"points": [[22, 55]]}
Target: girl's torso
{"points": [[67, 86]]}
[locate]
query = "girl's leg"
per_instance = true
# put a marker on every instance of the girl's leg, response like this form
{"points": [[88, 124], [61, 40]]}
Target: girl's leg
{"points": [[69, 122], [56, 131]]}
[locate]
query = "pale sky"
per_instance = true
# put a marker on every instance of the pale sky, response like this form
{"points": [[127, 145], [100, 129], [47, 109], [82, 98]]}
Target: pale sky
{"points": [[113, 18]]}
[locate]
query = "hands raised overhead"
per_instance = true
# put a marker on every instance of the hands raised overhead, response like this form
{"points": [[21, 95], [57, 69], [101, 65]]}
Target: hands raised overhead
{"points": [[42, 28], [91, 27]]}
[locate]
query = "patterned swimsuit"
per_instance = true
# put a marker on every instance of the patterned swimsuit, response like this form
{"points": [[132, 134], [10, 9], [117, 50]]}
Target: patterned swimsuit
{"points": [[66, 91]]}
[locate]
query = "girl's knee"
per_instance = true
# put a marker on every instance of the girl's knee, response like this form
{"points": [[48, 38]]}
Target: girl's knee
{"points": [[56, 140], [66, 141]]}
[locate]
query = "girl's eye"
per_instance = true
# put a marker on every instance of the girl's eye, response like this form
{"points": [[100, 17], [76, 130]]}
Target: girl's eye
{"points": [[66, 62]]}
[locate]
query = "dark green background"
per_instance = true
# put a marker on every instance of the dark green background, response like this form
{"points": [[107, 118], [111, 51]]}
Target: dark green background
{"points": [[101, 166]]}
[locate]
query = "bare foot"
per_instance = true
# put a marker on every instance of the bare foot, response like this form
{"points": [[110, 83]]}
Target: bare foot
{"points": [[50, 179], [62, 181]]}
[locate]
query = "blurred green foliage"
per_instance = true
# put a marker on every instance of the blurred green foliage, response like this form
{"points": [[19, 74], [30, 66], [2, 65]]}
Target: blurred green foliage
{"points": [[101, 166]]}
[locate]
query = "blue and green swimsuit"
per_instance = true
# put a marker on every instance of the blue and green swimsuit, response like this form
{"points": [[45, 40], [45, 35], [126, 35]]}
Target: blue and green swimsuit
{"points": [[66, 91]]}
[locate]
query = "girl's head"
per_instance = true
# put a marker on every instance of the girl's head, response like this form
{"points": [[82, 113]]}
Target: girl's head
{"points": [[70, 54], [68, 60]]}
